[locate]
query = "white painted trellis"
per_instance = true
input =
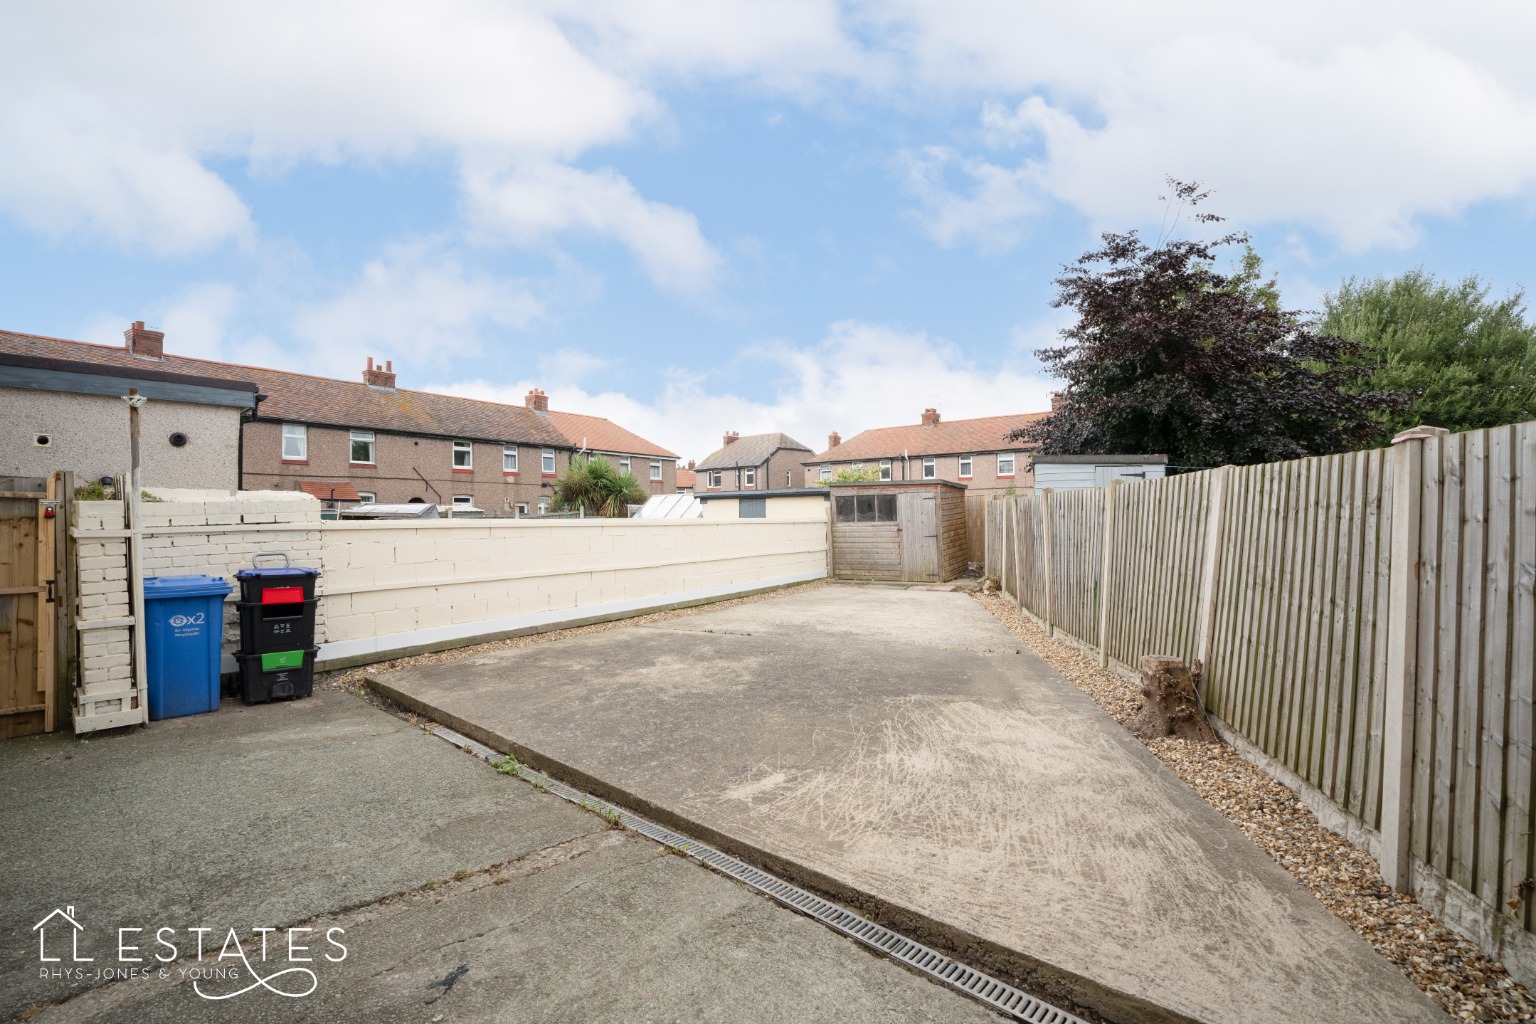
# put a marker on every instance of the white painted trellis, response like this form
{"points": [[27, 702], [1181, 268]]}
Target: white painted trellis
{"points": [[1364, 628]]}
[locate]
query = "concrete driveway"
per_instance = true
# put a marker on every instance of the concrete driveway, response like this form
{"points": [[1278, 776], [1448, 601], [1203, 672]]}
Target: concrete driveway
{"points": [[896, 749], [460, 894]]}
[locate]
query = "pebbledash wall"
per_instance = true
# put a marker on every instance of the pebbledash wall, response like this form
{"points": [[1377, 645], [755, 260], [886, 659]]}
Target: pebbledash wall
{"points": [[391, 588]]}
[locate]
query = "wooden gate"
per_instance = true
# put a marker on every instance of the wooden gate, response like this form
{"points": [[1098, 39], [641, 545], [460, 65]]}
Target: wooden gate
{"points": [[918, 514], [27, 578]]}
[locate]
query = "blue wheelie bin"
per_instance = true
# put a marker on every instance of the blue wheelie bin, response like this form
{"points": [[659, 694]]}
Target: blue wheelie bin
{"points": [[182, 641]]}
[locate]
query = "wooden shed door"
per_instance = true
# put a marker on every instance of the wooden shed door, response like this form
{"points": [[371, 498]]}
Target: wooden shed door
{"points": [[26, 613], [918, 514]]}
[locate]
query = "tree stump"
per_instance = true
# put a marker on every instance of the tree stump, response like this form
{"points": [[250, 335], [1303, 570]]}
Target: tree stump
{"points": [[1172, 707]]}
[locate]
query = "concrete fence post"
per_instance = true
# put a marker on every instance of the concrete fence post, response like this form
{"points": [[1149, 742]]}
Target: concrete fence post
{"points": [[1210, 570], [1106, 570], [1402, 654], [1046, 535]]}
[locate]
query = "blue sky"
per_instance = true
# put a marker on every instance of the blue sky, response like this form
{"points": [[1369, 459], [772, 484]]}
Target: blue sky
{"points": [[693, 218]]}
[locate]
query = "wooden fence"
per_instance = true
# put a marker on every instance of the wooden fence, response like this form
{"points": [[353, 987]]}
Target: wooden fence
{"points": [[1363, 626]]}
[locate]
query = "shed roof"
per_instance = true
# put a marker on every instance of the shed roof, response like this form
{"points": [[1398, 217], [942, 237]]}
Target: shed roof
{"points": [[330, 490], [752, 450]]}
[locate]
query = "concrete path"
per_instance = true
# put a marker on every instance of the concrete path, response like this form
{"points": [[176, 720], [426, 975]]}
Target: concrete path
{"points": [[327, 812], [897, 748]]}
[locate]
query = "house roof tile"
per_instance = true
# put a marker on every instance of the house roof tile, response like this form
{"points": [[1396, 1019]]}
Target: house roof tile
{"points": [[954, 437], [326, 401], [686, 477], [602, 435], [752, 450]]}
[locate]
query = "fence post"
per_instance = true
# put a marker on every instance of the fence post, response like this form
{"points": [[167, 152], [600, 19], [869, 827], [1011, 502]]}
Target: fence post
{"points": [[1046, 534], [1402, 654], [1106, 568], [1210, 569]]}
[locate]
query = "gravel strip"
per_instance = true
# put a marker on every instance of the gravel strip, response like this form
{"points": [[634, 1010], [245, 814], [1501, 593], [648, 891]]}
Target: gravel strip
{"points": [[1462, 980]]}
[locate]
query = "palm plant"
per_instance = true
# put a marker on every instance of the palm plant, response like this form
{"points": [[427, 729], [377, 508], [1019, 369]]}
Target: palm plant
{"points": [[594, 486]]}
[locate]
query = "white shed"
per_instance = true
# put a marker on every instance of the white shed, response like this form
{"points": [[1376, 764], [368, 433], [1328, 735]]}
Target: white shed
{"points": [[1069, 472]]}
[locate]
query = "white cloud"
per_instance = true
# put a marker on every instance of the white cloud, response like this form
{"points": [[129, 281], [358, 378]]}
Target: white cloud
{"points": [[414, 302], [196, 322], [860, 376], [534, 201]]}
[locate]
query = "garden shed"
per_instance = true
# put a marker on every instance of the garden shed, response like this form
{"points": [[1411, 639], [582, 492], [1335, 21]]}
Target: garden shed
{"points": [[912, 531]]}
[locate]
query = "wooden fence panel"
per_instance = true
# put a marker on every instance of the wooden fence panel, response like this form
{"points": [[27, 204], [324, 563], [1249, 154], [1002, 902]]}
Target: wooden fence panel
{"points": [[1155, 556], [1077, 533]]}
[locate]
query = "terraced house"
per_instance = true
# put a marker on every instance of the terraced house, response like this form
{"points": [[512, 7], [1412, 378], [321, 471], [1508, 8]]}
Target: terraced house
{"points": [[973, 452], [369, 440]]}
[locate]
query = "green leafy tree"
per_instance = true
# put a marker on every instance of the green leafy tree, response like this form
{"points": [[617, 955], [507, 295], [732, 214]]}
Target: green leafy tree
{"points": [[850, 475], [595, 486], [1170, 356], [1464, 360]]}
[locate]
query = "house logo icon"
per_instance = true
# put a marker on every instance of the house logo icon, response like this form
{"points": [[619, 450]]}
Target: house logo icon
{"points": [[46, 924]]}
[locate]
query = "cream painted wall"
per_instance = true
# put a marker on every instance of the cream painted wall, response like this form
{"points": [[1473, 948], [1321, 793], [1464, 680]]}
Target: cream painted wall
{"points": [[89, 436], [792, 506]]}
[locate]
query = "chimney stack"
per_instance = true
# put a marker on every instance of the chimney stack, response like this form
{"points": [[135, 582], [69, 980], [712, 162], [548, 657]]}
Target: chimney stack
{"points": [[833, 440], [1058, 401], [380, 376], [690, 465], [538, 401], [145, 344], [930, 417], [731, 438]]}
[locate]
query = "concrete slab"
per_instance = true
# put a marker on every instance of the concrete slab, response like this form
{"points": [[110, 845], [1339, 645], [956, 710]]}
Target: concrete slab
{"points": [[614, 930], [259, 816], [897, 748]]}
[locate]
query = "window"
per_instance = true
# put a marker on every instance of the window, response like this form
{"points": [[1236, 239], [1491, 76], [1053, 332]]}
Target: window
{"points": [[655, 469], [366, 497], [826, 473], [362, 447], [789, 478], [623, 463], [752, 508], [522, 508], [543, 506], [295, 442], [866, 508], [885, 469], [930, 468], [463, 455], [712, 478], [509, 458], [1005, 463], [547, 465], [463, 499], [749, 478], [965, 467]]}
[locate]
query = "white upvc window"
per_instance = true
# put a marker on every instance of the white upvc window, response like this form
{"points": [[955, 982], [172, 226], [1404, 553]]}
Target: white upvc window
{"points": [[463, 499], [655, 469], [522, 508], [362, 448], [789, 478], [295, 442], [509, 458], [885, 469], [366, 497], [826, 473], [623, 463], [712, 478], [965, 467], [463, 455], [1005, 463], [543, 506], [930, 468], [547, 463], [749, 478]]}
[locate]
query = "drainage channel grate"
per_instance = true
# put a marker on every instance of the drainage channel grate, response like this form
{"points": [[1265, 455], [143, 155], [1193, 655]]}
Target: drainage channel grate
{"points": [[936, 965]]}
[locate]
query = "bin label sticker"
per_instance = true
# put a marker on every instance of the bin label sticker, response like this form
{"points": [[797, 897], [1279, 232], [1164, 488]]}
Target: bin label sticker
{"points": [[177, 621]]}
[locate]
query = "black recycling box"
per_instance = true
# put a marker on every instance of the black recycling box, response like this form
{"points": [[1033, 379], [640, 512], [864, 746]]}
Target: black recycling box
{"points": [[266, 628], [276, 675]]}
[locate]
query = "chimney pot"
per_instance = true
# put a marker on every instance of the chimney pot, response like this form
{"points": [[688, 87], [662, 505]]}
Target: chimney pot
{"points": [[537, 401], [379, 377], [731, 438], [690, 464], [143, 343], [930, 417]]}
